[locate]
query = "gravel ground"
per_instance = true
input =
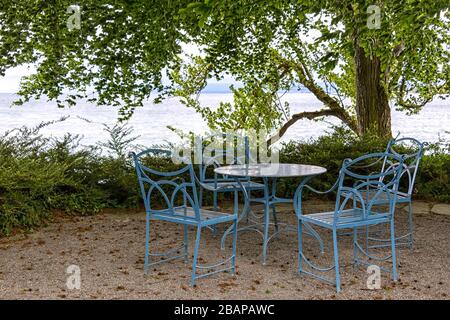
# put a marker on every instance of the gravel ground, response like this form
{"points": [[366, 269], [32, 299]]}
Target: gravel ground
{"points": [[109, 248]]}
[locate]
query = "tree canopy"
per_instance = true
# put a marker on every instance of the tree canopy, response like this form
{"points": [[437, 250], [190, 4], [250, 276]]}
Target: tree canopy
{"points": [[328, 48], [124, 48], [117, 57]]}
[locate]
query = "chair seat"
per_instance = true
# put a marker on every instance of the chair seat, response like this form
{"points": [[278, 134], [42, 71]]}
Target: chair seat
{"points": [[187, 216], [382, 198], [348, 218], [225, 186]]}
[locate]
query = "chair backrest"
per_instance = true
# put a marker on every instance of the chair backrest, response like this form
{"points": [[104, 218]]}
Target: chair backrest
{"points": [[410, 164], [356, 182], [222, 149], [169, 187]]}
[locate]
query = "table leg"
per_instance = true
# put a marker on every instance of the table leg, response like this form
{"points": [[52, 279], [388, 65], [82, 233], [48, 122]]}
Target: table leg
{"points": [[274, 194], [266, 223], [244, 214], [266, 219]]}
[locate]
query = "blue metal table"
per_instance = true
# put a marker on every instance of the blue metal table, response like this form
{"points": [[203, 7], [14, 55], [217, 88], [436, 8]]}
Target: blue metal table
{"points": [[269, 173]]}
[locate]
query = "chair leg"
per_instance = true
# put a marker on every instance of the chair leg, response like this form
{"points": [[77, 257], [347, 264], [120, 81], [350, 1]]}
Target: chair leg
{"points": [[266, 232], [236, 203], [355, 249], [147, 243], [215, 200], [411, 225], [233, 260], [394, 257], [214, 228], [249, 203], [367, 239], [300, 245], [200, 197], [336, 261], [186, 243], [196, 249]]}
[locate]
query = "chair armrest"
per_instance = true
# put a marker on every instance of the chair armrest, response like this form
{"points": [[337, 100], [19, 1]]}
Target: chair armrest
{"points": [[299, 191]]}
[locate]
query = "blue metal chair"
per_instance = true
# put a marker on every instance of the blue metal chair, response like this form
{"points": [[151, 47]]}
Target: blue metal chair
{"points": [[181, 206], [217, 149], [406, 186], [360, 214]]}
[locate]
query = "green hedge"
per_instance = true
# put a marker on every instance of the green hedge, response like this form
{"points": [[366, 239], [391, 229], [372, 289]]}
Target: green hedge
{"points": [[329, 151], [39, 175]]}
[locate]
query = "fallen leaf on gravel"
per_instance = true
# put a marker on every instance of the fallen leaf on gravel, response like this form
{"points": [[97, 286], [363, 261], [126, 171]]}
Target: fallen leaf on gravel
{"points": [[226, 284], [84, 229]]}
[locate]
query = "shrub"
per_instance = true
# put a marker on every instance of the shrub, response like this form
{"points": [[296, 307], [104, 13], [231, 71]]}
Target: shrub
{"points": [[39, 174], [433, 180], [329, 151]]}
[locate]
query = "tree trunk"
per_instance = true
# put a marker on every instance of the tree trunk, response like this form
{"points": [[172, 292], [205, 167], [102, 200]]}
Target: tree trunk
{"points": [[372, 103]]}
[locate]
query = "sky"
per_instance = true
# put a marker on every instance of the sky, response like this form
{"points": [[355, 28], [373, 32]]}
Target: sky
{"points": [[11, 81]]}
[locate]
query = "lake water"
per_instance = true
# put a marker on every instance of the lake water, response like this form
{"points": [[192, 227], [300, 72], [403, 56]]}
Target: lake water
{"points": [[151, 121]]}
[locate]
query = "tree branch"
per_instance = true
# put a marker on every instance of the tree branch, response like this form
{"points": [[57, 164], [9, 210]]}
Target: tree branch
{"points": [[334, 108], [330, 102], [311, 115]]}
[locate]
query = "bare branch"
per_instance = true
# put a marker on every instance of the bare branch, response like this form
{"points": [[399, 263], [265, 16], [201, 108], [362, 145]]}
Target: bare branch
{"points": [[311, 115]]}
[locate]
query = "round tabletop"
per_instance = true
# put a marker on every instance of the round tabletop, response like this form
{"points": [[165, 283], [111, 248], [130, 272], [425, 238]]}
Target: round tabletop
{"points": [[270, 170]]}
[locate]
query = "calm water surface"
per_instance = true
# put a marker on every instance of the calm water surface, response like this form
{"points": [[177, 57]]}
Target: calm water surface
{"points": [[151, 121]]}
